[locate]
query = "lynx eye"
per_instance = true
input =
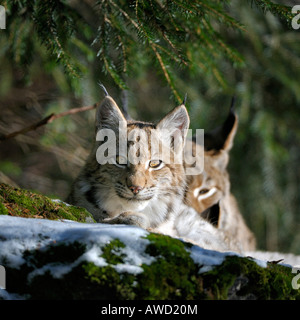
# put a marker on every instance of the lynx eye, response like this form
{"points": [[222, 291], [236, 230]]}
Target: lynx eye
{"points": [[203, 191], [155, 164], [121, 161]]}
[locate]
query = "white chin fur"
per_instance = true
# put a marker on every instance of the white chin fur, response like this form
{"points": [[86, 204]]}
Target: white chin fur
{"points": [[119, 205]]}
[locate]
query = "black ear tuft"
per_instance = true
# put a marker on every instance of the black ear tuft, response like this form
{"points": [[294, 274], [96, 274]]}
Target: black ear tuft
{"points": [[222, 137], [232, 104]]}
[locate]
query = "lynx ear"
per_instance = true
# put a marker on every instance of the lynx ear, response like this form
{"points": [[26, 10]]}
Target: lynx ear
{"points": [[176, 121], [222, 137], [109, 116]]}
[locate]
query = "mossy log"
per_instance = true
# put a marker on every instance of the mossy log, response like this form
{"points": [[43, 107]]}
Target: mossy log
{"points": [[47, 259]]}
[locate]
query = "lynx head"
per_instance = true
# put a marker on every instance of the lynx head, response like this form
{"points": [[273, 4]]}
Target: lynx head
{"points": [[207, 189], [138, 159]]}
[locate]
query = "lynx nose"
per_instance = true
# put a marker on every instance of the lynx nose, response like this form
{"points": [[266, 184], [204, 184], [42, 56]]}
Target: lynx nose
{"points": [[135, 189]]}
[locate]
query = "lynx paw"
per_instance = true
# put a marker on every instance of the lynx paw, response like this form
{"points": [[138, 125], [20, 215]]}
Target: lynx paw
{"points": [[130, 218]]}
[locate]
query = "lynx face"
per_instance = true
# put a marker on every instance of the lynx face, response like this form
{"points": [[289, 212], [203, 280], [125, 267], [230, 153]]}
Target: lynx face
{"points": [[206, 190], [209, 192], [140, 173], [134, 185]]}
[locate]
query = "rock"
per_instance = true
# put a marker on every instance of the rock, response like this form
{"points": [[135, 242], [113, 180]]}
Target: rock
{"points": [[46, 259]]}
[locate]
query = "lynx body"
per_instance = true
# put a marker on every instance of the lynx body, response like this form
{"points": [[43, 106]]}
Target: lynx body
{"points": [[148, 193]]}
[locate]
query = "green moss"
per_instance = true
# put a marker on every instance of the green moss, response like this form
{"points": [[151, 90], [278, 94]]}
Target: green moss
{"points": [[23, 203], [255, 282], [173, 274], [3, 210], [112, 252], [109, 283], [82, 280]]}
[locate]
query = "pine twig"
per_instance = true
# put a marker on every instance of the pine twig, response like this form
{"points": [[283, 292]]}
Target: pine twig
{"points": [[47, 120]]}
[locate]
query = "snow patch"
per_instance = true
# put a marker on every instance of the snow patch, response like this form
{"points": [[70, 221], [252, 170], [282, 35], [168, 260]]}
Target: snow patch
{"points": [[208, 259], [20, 234], [287, 259]]}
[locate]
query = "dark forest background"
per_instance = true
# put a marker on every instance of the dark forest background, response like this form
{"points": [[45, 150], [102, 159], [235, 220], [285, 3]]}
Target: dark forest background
{"points": [[53, 54]]}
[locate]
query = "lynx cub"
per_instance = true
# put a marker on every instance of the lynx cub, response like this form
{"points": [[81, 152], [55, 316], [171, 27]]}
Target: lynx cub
{"points": [[148, 193], [209, 193]]}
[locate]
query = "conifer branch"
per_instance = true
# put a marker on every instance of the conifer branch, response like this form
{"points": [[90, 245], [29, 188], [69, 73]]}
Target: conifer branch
{"points": [[175, 32], [282, 11], [165, 72]]}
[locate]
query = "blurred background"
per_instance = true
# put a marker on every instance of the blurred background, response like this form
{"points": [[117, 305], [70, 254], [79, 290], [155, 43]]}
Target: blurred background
{"points": [[238, 48]]}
